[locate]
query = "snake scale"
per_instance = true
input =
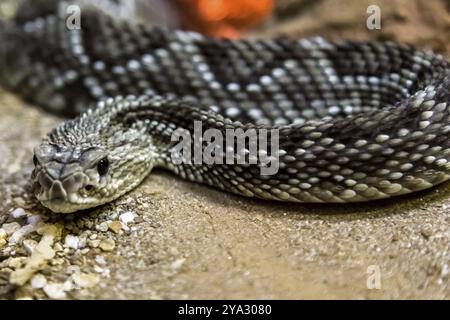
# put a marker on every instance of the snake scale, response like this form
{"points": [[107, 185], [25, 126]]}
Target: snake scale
{"points": [[357, 121]]}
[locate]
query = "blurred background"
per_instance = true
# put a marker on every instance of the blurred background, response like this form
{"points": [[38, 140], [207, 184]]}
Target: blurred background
{"points": [[425, 23]]}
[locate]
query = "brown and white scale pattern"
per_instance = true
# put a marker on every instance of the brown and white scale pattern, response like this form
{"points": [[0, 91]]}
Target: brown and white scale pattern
{"points": [[357, 121]]}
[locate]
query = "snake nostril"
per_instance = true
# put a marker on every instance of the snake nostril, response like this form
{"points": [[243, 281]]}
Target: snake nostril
{"points": [[89, 187]]}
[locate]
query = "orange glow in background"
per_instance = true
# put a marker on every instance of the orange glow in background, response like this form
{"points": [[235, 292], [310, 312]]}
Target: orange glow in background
{"points": [[226, 18]]}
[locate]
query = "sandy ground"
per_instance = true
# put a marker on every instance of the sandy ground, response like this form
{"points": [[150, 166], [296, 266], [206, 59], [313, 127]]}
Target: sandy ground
{"points": [[188, 241]]}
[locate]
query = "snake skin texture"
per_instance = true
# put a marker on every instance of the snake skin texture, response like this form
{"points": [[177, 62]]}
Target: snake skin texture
{"points": [[357, 121]]}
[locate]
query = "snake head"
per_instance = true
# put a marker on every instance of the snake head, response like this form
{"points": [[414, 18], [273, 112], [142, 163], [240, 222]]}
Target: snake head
{"points": [[89, 161], [68, 179]]}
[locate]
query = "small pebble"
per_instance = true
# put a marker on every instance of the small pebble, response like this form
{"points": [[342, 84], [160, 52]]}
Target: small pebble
{"points": [[107, 245], [127, 217], [3, 234], [85, 280], [426, 232], [71, 241], [55, 291], [103, 227], [38, 281], [20, 233], [93, 243], [10, 228], [98, 269], [58, 247], [100, 260], [34, 219], [68, 285], [47, 252], [445, 270], [177, 264], [82, 242], [18, 213], [115, 226]]}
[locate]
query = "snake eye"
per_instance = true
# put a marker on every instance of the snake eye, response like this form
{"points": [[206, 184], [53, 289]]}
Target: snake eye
{"points": [[102, 166], [35, 160]]}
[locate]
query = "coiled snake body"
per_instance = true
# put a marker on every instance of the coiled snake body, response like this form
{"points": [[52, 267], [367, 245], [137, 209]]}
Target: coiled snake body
{"points": [[357, 121]]}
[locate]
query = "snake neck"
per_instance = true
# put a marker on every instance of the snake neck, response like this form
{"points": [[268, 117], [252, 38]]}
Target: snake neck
{"points": [[167, 120]]}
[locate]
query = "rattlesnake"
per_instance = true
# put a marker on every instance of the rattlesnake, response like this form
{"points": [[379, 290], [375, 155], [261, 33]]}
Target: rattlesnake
{"points": [[356, 121]]}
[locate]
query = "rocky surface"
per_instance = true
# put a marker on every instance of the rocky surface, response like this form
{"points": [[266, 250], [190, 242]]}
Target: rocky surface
{"points": [[174, 239]]}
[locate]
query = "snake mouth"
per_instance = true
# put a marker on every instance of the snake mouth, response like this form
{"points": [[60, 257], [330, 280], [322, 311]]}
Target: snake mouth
{"points": [[64, 207], [68, 195], [65, 203]]}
